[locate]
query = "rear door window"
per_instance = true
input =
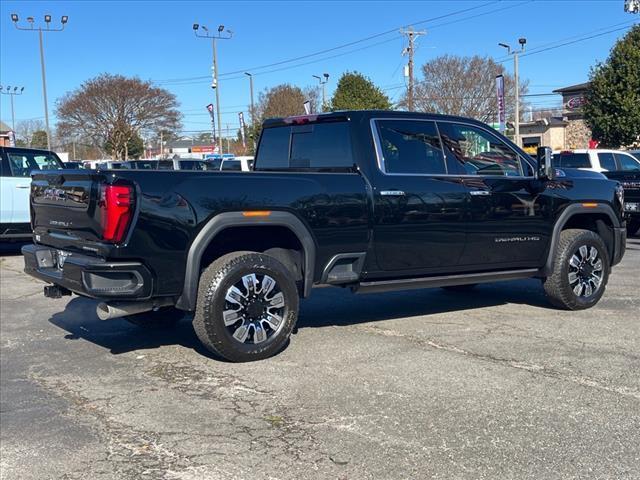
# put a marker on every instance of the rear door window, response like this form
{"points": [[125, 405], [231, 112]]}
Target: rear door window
{"points": [[410, 146], [607, 161]]}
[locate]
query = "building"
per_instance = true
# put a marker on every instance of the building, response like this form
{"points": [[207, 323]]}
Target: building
{"points": [[6, 135], [565, 132]]}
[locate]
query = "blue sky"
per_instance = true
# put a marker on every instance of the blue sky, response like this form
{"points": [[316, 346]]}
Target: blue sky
{"points": [[155, 40]]}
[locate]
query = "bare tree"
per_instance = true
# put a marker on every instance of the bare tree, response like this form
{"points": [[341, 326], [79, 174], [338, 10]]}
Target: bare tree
{"points": [[116, 108], [26, 128], [465, 86]]}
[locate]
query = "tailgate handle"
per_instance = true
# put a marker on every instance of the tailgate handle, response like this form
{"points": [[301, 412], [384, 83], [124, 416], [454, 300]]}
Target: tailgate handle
{"points": [[23, 186]]}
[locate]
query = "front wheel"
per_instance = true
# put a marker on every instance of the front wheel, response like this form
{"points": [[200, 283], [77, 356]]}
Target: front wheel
{"points": [[247, 306], [581, 270]]}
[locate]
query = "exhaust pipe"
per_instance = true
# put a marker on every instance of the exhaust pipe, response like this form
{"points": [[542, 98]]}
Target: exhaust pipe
{"points": [[109, 310]]}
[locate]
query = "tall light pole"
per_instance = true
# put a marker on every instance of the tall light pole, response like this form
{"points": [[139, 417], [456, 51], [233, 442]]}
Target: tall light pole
{"points": [[323, 81], [251, 93], [516, 53], [221, 34], [47, 20], [12, 93]]}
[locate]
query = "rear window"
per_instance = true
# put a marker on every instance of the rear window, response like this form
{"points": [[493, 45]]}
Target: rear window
{"points": [[571, 160], [320, 146], [231, 165]]}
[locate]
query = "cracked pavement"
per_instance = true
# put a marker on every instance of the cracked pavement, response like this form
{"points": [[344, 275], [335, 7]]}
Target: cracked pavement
{"points": [[494, 383]]}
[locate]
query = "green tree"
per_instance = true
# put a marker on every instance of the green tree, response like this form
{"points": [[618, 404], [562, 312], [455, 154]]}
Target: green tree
{"points": [[612, 108], [357, 92], [124, 144], [39, 139]]}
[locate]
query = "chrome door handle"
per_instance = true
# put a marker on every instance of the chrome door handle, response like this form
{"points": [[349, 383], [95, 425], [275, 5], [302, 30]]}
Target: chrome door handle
{"points": [[479, 192], [392, 193], [23, 186]]}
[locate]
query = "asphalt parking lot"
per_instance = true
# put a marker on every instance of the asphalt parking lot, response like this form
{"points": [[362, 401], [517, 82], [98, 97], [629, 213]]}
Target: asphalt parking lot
{"points": [[421, 384]]}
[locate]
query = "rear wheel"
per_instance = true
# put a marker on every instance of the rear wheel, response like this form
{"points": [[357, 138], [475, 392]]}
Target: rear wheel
{"points": [[247, 306], [581, 270], [165, 317]]}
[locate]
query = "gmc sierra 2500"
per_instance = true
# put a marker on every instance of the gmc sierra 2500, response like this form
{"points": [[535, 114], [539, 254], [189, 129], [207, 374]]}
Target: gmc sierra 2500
{"points": [[371, 200]]}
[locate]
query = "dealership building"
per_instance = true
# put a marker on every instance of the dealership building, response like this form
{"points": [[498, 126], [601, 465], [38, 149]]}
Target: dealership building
{"points": [[568, 131]]}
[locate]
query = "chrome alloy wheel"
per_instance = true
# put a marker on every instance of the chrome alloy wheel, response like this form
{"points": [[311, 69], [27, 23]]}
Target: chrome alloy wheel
{"points": [[585, 271], [254, 309]]}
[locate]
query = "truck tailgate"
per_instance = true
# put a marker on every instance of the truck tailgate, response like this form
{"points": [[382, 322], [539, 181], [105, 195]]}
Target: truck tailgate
{"points": [[66, 206]]}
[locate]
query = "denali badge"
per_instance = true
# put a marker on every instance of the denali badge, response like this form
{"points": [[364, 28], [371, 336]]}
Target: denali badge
{"points": [[59, 223], [526, 238]]}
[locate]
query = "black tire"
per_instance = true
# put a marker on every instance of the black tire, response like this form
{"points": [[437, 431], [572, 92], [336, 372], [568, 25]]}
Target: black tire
{"points": [[559, 287], [633, 226], [166, 317], [460, 288], [260, 338]]}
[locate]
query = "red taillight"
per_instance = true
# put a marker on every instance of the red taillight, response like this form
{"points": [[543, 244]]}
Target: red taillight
{"points": [[117, 209]]}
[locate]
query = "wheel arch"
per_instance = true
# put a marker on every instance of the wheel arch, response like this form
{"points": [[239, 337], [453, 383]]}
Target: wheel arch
{"points": [[227, 220], [574, 214]]}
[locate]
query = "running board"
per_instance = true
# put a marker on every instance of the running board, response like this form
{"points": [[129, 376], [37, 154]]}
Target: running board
{"points": [[443, 281]]}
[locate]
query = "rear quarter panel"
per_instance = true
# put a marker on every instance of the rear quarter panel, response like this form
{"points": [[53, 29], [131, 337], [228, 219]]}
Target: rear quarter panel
{"points": [[174, 206]]}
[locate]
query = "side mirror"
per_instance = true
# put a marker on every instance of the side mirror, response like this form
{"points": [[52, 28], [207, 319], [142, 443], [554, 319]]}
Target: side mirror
{"points": [[546, 171]]}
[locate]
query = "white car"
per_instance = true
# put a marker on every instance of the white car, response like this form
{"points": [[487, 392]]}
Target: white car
{"points": [[15, 187], [597, 160], [239, 164]]}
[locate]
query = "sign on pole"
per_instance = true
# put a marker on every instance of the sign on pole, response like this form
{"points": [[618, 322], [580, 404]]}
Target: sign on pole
{"points": [[500, 98], [241, 119], [213, 124]]}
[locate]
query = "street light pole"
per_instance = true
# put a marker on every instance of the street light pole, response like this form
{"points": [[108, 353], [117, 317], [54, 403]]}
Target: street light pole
{"points": [[516, 53], [251, 93], [47, 20], [322, 84], [215, 85], [12, 93]]}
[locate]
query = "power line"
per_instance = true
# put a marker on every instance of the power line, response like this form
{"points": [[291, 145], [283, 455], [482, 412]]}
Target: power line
{"points": [[349, 44]]}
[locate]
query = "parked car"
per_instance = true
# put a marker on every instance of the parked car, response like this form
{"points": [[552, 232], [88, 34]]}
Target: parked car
{"points": [[73, 164], [15, 182], [616, 165], [596, 160], [370, 200], [142, 164]]}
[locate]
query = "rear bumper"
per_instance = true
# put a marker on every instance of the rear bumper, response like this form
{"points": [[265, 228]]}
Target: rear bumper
{"points": [[619, 245], [88, 276]]}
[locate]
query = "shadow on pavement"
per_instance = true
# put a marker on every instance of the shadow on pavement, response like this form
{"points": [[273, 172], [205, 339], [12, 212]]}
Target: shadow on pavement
{"points": [[326, 307]]}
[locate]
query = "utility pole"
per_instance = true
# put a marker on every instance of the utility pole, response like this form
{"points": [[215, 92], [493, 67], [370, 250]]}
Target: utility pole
{"points": [[323, 81], [47, 20], [516, 124], [253, 120], [409, 51], [12, 93], [222, 34]]}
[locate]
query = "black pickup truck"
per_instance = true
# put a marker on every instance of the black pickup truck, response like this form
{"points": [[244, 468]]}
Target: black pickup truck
{"points": [[370, 200]]}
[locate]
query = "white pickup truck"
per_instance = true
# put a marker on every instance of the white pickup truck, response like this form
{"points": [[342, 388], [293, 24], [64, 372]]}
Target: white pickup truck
{"points": [[15, 186]]}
